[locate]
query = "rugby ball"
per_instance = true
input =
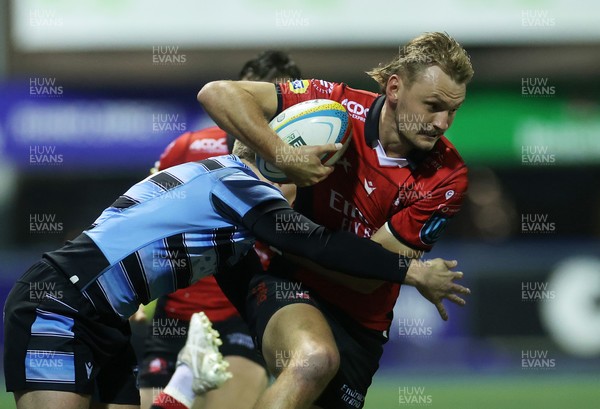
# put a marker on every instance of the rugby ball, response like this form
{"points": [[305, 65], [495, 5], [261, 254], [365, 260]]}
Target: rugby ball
{"points": [[314, 122]]}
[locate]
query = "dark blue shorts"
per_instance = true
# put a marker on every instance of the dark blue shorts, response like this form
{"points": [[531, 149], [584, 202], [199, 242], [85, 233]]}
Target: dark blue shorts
{"points": [[54, 339]]}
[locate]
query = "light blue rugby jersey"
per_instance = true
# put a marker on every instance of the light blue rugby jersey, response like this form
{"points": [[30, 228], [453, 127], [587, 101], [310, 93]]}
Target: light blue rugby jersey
{"points": [[165, 233]]}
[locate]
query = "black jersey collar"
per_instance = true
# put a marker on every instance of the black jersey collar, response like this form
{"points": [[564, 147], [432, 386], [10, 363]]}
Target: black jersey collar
{"points": [[372, 122], [372, 132]]}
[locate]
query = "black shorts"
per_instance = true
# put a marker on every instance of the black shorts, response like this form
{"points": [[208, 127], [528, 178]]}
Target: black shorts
{"points": [[360, 348], [54, 339], [166, 336]]}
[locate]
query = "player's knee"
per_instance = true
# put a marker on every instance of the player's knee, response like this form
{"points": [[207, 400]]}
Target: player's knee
{"points": [[314, 363]]}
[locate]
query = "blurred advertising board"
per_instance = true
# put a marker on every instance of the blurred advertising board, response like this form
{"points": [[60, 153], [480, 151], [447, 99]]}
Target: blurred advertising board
{"points": [[45, 123]]}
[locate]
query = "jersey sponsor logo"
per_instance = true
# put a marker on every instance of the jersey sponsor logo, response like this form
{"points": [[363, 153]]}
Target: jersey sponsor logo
{"points": [[353, 219], [352, 397], [339, 203], [209, 145], [298, 86], [448, 209], [433, 229], [356, 227], [324, 86], [449, 194], [355, 109]]}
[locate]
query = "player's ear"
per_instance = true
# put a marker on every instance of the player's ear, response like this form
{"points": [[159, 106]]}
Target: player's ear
{"points": [[393, 86]]}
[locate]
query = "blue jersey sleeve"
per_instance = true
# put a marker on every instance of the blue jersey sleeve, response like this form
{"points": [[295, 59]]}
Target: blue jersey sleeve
{"points": [[235, 195]]}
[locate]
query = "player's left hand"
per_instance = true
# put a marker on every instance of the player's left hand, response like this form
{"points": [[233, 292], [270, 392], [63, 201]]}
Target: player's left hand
{"points": [[303, 164]]}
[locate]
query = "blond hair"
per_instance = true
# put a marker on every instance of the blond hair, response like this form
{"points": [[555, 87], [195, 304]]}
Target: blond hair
{"points": [[424, 51], [243, 151]]}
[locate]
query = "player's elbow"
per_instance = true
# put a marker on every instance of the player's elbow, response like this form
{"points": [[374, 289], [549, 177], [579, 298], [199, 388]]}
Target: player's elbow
{"points": [[318, 250], [212, 92]]}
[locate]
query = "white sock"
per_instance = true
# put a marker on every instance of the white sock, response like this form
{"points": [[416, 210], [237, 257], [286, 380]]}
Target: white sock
{"points": [[180, 385]]}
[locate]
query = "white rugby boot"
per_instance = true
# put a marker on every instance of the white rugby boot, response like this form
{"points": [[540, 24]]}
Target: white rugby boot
{"points": [[201, 354]]}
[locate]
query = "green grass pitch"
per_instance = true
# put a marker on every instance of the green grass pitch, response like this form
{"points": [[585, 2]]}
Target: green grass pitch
{"points": [[537, 391]]}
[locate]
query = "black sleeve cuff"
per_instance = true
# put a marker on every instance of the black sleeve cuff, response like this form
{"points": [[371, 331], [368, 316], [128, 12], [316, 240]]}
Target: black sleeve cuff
{"points": [[401, 239], [279, 101]]}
